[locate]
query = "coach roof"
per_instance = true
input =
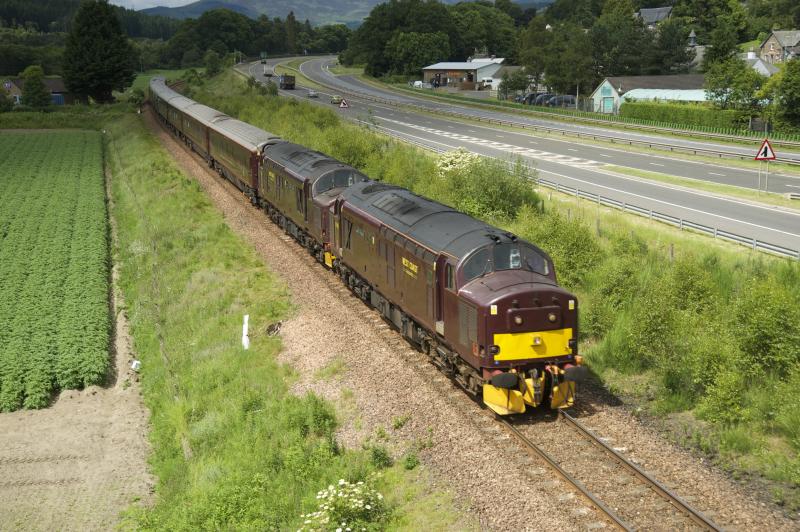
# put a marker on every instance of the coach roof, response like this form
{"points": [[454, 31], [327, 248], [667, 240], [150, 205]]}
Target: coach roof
{"points": [[436, 226], [303, 161]]}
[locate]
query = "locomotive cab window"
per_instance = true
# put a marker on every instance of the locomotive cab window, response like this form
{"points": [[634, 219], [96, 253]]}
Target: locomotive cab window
{"points": [[504, 257]]}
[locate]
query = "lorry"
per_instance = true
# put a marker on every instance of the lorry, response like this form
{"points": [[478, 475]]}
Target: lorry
{"points": [[286, 81]]}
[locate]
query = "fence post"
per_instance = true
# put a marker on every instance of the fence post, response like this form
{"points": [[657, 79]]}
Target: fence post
{"points": [[681, 224]]}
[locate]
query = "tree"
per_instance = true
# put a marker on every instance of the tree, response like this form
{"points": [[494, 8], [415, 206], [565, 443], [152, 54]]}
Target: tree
{"points": [[568, 60], [516, 81], [34, 92], [619, 40], [787, 95], [722, 46], [670, 53], [533, 48], [6, 104], [213, 63], [732, 83], [98, 59], [409, 53]]}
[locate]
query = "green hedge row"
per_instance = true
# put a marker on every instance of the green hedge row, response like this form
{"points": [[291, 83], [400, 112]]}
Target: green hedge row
{"points": [[684, 114]]}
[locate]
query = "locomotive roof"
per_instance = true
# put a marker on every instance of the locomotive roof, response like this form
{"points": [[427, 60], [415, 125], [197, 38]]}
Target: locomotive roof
{"points": [[303, 161], [436, 226]]}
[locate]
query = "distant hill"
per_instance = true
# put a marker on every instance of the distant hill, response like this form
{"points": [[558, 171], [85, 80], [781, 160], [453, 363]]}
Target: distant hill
{"points": [[317, 11], [195, 9]]}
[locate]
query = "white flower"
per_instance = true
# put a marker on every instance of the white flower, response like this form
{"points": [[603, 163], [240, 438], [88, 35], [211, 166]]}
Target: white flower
{"points": [[338, 530], [368, 507], [341, 482]]}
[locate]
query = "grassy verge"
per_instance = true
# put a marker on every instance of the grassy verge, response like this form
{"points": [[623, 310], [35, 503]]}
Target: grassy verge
{"points": [[293, 68], [143, 78], [716, 188], [684, 326]]}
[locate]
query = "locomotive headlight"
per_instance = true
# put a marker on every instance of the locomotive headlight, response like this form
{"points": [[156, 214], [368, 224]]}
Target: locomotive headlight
{"points": [[552, 317], [518, 320]]}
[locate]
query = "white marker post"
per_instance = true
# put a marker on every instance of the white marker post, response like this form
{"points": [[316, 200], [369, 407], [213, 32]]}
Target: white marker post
{"points": [[245, 337]]}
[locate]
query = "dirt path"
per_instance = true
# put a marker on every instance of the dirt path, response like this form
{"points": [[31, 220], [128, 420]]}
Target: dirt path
{"points": [[79, 463]]}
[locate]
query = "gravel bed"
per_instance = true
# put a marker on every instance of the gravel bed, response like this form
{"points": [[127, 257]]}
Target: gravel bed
{"points": [[728, 504], [388, 393]]}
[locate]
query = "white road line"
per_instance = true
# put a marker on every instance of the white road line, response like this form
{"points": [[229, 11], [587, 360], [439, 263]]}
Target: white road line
{"points": [[714, 173], [656, 164], [793, 186], [572, 149], [604, 155]]}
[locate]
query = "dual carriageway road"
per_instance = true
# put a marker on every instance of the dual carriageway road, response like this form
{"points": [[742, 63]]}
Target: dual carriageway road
{"points": [[569, 162]]}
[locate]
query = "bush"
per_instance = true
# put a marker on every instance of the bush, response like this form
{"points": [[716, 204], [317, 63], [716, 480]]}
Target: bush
{"points": [[766, 323], [380, 457], [347, 507], [724, 402]]}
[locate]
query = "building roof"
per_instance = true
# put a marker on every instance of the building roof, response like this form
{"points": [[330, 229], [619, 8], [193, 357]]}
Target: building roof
{"points": [[672, 95], [54, 85], [462, 65], [623, 84], [759, 65], [654, 14], [787, 38]]}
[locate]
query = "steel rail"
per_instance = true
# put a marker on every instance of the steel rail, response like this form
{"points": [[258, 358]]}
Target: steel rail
{"points": [[594, 501], [547, 129], [656, 486]]}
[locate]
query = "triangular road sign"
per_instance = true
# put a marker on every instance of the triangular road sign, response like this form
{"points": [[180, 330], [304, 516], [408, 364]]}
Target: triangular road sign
{"points": [[765, 152], [344, 105]]}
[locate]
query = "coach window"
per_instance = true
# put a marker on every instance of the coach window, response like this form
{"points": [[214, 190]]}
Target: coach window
{"points": [[449, 277]]}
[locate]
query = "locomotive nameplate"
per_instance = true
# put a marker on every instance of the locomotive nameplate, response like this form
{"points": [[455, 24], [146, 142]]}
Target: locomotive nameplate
{"points": [[410, 268]]}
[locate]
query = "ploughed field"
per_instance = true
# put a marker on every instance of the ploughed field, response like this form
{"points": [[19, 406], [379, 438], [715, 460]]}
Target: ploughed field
{"points": [[54, 266]]}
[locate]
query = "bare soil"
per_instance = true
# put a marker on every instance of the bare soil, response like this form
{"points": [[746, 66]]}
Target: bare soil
{"points": [[78, 464]]}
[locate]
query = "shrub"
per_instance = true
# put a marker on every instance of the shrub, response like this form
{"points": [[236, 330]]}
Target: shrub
{"points": [[724, 402], [380, 457], [766, 322], [347, 507], [411, 461]]}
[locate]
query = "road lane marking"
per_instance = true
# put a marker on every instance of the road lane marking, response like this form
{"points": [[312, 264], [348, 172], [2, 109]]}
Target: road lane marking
{"points": [[656, 164], [714, 173], [572, 149]]}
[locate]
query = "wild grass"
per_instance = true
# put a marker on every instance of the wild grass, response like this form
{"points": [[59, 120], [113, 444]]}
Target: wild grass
{"points": [[677, 322]]}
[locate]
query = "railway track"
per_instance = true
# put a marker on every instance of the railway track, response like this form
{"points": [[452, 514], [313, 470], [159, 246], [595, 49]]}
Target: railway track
{"points": [[631, 499]]}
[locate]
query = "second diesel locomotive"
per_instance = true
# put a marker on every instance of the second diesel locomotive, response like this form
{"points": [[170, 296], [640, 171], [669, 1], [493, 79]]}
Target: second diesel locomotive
{"points": [[482, 303]]}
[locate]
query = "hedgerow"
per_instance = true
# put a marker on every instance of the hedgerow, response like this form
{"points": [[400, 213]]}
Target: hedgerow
{"points": [[53, 266]]}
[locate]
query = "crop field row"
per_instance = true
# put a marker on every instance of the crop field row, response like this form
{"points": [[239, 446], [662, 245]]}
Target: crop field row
{"points": [[54, 267]]}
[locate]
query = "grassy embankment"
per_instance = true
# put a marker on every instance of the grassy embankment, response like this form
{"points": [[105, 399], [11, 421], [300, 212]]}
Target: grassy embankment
{"points": [[232, 447], [703, 334]]}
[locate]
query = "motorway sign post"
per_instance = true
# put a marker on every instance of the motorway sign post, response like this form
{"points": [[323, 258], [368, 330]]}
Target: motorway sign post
{"points": [[765, 153], [343, 104]]}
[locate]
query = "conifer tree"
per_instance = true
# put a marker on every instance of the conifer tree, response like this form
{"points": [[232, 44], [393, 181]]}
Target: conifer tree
{"points": [[98, 59]]}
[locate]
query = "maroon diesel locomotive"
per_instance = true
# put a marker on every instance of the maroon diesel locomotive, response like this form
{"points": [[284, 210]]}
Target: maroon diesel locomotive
{"points": [[482, 303]]}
